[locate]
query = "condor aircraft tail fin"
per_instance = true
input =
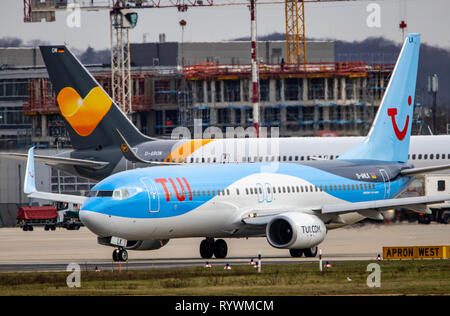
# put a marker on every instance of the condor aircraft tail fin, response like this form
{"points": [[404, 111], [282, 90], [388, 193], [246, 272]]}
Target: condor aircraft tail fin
{"points": [[91, 115]]}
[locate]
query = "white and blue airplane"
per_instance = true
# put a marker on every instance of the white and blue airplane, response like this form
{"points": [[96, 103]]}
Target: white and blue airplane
{"points": [[293, 204]]}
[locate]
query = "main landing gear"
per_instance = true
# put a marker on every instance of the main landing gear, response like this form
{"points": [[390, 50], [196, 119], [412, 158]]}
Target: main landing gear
{"points": [[210, 247], [308, 252], [120, 255]]}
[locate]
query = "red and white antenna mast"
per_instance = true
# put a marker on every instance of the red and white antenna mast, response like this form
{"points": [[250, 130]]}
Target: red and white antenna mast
{"points": [[255, 94]]}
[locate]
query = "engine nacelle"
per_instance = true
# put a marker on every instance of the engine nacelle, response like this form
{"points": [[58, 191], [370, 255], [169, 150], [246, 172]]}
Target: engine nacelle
{"points": [[295, 230]]}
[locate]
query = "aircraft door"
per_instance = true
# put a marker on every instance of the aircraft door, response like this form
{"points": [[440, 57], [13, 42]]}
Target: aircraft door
{"points": [[153, 195], [387, 183]]}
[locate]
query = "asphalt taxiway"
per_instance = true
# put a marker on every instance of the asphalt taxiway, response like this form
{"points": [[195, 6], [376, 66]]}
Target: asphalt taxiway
{"points": [[41, 250]]}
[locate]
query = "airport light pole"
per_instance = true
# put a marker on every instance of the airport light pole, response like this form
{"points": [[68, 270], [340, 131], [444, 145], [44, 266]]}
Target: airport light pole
{"points": [[433, 88]]}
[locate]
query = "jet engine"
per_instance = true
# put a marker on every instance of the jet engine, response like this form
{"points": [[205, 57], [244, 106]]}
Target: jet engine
{"points": [[152, 244], [295, 230]]}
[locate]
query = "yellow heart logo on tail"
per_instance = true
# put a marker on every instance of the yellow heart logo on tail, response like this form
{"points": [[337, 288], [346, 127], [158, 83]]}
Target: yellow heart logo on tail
{"points": [[83, 114]]}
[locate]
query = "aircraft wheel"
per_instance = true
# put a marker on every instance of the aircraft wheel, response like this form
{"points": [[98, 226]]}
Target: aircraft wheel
{"points": [[206, 248], [310, 252], [123, 255], [296, 253], [220, 249], [115, 255]]}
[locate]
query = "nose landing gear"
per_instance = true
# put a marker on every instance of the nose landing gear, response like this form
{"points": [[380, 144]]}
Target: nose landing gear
{"points": [[120, 255]]}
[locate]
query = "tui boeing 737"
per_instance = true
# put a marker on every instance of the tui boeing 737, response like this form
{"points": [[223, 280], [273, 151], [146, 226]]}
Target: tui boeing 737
{"points": [[293, 204]]}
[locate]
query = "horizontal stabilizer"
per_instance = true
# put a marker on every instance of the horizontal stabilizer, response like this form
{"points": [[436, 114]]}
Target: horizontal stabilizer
{"points": [[414, 171]]}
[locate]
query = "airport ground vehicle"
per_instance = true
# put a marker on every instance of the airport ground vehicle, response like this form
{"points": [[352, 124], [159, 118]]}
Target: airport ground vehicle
{"points": [[430, 185], [436, 184], [71, 220], [29, 216]]}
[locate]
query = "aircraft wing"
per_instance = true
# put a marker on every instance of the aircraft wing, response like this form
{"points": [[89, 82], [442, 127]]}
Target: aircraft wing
{"points": [[30, 186], [55, 161], [370, 209]]}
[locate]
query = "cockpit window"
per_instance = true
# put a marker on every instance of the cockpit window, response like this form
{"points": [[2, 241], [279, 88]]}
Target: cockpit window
{"points": [[124, 193], [100, 193]]}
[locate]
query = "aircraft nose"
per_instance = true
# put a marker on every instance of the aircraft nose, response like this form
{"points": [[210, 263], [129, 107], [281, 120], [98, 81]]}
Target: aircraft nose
{"points": [[95, 222]]}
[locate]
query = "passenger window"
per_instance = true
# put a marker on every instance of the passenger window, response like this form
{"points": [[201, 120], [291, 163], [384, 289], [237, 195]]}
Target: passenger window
{"points": [[228, 191], [251, 190], [425, 157], [414, 156], [246, 191], [288, 190], [419, 157], [284, 189], [441, 185], [431, 156], [237, 191]]}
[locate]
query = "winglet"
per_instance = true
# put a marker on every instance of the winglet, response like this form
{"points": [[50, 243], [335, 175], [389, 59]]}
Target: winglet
{"points": [[30, 176]]}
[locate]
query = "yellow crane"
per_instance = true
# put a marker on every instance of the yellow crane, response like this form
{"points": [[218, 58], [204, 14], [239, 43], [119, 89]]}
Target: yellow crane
{"points": [[295, 32]]}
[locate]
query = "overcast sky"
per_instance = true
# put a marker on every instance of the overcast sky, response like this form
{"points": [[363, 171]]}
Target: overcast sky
{"points": [[345, 21]]}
